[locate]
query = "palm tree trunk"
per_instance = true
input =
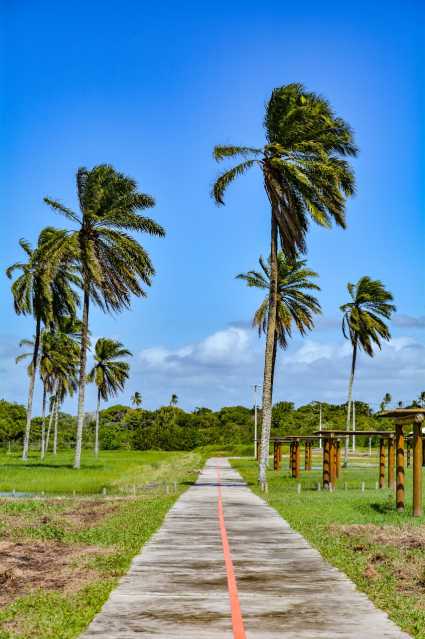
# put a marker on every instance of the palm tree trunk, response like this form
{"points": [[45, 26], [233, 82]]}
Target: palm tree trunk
{"points": [[43, 422], [269, 354], [350, 399], [55, 432], [82, 378], [52, 412], [26, 446], [96, 435]]}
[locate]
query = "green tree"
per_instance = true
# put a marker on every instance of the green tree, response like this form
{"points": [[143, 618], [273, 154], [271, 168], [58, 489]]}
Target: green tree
{"points": [[363, 324], [294, 306], [42, 289], [305, 177], [174, 400], [136, 399], [109, 374], [422, 398], [113, 264]]}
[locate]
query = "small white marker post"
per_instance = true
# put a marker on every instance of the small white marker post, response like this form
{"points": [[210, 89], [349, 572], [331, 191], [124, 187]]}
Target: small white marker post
{"points": [[363, 486]]}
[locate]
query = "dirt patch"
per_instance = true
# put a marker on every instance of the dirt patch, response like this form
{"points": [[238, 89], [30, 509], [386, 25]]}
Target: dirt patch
{"points": [[404, 537], [88, 513], [396, 552], [50, 565]]}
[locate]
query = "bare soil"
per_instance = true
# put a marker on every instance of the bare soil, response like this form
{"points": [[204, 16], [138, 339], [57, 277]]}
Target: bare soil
{"points": [[27, 566]]}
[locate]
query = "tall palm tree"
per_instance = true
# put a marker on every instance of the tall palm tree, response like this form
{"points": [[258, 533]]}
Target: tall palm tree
{"points": [[174, 400], [136, 399], [363, 324], [305, 177], [109, 373], [43, 289], [113, 264], [293, 305]]}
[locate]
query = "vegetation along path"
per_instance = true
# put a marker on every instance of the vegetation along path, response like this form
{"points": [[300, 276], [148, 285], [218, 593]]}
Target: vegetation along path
{"points": [[225, 564]]}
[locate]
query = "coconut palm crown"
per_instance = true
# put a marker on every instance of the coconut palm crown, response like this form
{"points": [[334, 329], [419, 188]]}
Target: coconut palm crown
{"points": [[363, 316], [294, 305]]}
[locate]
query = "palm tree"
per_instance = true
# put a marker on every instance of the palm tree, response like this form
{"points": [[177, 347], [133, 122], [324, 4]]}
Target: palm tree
{"points": [[293, 304], [174, 400], [109, 374], [44, 290], [305, 177], [113, 264], [363, 325], [61, 352], [136, 399], [422, 398]]}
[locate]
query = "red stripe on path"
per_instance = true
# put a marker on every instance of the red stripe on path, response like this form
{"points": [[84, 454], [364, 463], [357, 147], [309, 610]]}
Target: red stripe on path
{"points": [[237, 620]]}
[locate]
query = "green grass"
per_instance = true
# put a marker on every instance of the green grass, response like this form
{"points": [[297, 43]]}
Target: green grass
{"points": [[115, 537], [117, 471], [391, 573]]}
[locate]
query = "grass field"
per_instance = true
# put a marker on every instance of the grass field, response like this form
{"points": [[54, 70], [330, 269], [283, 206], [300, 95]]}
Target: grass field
{"points": [[359, 532], [60, 557]]}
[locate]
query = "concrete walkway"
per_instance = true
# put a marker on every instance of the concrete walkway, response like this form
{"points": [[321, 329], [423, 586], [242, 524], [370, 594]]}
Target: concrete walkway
{"points": [[178, 587]]}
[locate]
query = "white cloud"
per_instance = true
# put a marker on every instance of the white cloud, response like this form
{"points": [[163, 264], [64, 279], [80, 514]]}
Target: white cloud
{"points": [[227, 348]]}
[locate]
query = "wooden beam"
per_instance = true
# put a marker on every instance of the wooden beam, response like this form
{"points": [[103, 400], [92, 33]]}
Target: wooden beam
{"points": [[417, 469], [399, 468], [297, 460], [326, 462], [332, 456], [391, 460], [381, 462], [338, 458]]}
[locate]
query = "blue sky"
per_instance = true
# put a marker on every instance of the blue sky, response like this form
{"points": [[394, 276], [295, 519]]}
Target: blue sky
{"points": [[150, 88]]}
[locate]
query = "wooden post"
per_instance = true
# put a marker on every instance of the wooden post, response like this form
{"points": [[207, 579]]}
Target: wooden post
{"points": [[417, 469], [400, 468], [258, 450], [291, 451], [332, 455], [338, 458], [310, 455], [381, 462], [279, 452], [306, 445], [408, 452], [297, 460], [326, 462], [391, 459], [275, 457]]}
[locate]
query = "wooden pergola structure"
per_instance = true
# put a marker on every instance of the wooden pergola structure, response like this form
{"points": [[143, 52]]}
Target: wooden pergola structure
{"points": [[294, 442], [408, 417], [332, 438]]}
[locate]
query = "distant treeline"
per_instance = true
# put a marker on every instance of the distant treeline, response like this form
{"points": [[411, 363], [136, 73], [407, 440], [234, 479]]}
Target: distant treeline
{"points": [[171, 428]]}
